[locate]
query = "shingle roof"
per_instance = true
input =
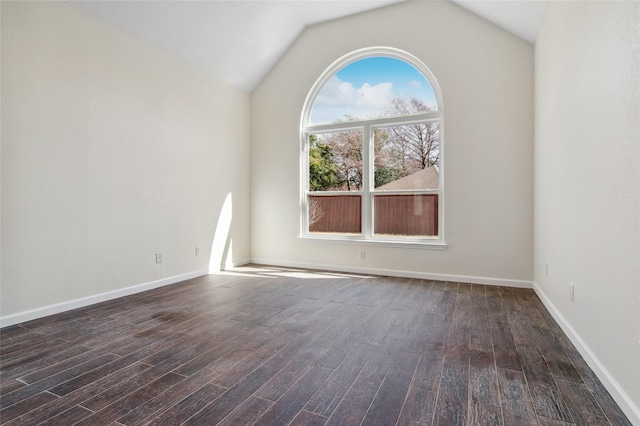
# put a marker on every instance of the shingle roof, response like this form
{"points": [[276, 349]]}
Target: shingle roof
{"points": [[422, 179]]}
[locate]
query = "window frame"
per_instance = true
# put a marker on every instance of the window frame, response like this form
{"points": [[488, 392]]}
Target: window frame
{"points": [[367, 127]]}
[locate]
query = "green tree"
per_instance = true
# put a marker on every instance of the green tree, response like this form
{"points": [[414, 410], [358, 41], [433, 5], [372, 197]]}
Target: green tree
{"points": [[323, 172], [347, 150], [388, 161], [383, 175]]}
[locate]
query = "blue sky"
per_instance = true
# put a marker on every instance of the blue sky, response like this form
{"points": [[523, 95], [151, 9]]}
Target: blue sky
{"points": [[365, 87]]}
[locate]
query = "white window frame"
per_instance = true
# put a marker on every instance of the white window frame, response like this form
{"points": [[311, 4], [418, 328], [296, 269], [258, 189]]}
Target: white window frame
{"points": [[367, 128]]}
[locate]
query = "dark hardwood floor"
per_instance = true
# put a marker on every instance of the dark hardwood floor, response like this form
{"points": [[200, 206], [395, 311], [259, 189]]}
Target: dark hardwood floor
{"points": [[272, 346]]}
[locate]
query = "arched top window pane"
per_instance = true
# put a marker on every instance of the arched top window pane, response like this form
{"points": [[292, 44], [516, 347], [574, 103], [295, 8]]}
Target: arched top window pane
{"points": [[373, 87]]}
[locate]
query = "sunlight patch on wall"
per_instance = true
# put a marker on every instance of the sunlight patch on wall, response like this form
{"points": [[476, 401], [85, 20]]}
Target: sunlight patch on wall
{"points": [[221, 247]]}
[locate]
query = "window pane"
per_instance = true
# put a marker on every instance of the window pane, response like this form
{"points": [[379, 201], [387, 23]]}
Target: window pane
{"points": [[373, 87], [407, 157], [413, 215], [335, 161], [335, 214]]}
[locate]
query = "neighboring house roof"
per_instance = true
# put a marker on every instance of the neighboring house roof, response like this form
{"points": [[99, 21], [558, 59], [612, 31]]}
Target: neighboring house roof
{"points": [[422, 179]]}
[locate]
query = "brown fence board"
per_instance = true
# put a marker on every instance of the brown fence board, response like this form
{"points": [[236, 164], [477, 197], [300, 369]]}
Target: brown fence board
{"points": [[339, 214], [415, 214], [411, 215]]}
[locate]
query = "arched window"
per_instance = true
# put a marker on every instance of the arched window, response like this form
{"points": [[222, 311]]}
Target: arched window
{"points": [[372, 151]]}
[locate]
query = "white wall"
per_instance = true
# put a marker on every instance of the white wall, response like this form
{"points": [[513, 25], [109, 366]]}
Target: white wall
{"points": [[486, 77], [587, 184], [111, 152]]}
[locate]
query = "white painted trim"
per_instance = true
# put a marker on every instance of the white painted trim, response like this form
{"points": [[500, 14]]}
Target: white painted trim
{"points": [[241, 262], [57, 308], [630, 409], [502, 282], [235, 264], [375, 123], [406, 243]]}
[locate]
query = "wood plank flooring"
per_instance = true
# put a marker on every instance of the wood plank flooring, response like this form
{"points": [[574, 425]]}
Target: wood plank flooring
{"points": [[273, 346]]}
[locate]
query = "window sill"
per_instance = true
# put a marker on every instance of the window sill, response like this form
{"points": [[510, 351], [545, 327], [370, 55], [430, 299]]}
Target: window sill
{"points": [[357, 240]]}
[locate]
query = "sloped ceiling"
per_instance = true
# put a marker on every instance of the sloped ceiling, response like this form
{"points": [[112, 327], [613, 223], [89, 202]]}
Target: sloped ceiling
{"points": [[240, 41], [521, 18]]}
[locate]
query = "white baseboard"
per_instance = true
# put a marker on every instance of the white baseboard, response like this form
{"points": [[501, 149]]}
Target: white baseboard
{"points": [[234, 264], [398, 273], [625, 402], [57, 308]]}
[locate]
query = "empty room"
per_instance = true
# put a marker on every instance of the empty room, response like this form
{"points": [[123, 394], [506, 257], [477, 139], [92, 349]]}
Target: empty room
{"points": [[289, 212]]}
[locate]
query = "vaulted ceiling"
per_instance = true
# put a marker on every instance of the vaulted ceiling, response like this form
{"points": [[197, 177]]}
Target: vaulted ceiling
{"points": [[240, 41]]}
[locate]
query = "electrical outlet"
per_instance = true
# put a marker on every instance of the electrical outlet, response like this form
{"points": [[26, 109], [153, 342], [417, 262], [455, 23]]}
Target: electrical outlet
{"points": [[197, 250], [363, 254], [572, 292], [158, 257], [546, 269]]}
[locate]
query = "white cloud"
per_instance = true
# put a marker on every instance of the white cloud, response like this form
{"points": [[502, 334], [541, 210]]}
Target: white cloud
{"points": [[415, 83], [338, 93]]}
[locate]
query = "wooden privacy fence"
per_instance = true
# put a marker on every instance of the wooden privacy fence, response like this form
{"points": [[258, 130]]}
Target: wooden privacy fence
{"points": [[415, 214], [410, 215], [337, 214]]}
